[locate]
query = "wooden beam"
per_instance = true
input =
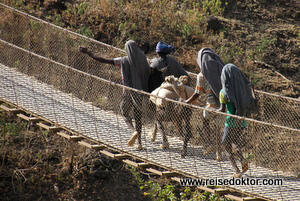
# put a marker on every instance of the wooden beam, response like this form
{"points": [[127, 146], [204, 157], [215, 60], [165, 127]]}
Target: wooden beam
{"points": [[29, 119], [154, 171], [144, 165], [63, 134], [11, 110], [160, 173], [76, 138], [221, 191], [95, 147], [115, 156], [177, 179], [50, 128], [206, 189], [88, 145], [137, 165], [107, 153], [233, 197], [129, 162], [251, 199], [121, 156]]}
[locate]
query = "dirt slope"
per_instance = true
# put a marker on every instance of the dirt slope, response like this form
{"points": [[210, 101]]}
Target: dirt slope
{"points": [[262, 37]]}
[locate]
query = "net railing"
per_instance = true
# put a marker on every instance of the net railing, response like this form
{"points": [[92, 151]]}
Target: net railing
{"points": [[43, 72], [90, 105], [61, 45]]}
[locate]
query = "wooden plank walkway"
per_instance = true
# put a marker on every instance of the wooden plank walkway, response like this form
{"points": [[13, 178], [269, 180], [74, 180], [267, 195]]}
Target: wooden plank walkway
{"points": [[109, 128]]}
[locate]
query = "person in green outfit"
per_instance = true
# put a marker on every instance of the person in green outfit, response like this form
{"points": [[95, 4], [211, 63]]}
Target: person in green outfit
{"points": [[236, 96]]}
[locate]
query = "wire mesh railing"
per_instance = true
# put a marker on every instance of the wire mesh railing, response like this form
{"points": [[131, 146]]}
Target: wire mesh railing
{"points": [[62, 95], [46, 75], [61, 45]]}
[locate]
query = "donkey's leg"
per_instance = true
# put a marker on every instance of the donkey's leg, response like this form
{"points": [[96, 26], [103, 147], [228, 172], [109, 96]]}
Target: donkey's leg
{"points": [[153, 132], [160, 117], [187, 137], [177, 121], [165, 144], [188, 129]]}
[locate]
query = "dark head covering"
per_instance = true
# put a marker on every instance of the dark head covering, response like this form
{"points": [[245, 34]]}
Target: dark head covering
{"points": [[164, 48], [211, 67], [136, 69], [237, 89]]}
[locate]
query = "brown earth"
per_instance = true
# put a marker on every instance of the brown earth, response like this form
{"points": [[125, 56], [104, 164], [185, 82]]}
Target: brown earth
{"points": [[262, 37], [38, 165]]}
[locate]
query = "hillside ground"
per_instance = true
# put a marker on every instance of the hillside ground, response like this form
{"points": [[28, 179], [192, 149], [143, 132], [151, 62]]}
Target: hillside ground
{"points": [[262, 37]]}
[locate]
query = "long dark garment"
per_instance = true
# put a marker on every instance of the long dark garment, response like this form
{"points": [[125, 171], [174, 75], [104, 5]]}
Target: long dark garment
{"points": [[135, 72], [237, 89], [211, 67], [135, 68], [132, 102]]}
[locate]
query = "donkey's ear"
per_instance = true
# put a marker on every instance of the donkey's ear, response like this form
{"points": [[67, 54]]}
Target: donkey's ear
{"points": [[164, 69]]}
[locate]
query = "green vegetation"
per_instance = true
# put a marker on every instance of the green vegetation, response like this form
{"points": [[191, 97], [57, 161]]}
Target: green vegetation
{"points": [[160, 190], [41, 165], [264, 45], [85, 31], [213, 7]]}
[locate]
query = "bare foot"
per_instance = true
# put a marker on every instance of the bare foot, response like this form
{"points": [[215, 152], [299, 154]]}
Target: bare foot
{"points": [[152, 134], [138, 146], [165, 145], [236, 175], [134, 136], [209, 150]]}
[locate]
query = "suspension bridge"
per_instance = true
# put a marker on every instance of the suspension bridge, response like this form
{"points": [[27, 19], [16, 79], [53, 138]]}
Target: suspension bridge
{"points": [[46, 80]]}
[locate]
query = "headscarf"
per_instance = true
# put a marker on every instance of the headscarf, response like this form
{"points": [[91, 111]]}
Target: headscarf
{"points": [[135, 67], [164, 47], [237, 89], [211, 67]]}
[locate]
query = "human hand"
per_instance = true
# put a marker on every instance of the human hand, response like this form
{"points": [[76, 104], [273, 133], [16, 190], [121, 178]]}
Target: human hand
{"points": [[83, 50], [181, 100]]}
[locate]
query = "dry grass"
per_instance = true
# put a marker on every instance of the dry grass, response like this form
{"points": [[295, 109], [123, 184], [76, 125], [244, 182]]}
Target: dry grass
{"points": [[248, 32]]}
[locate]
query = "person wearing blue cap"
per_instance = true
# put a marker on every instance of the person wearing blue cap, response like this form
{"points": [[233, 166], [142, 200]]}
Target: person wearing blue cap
{"points": [[163, 60]]}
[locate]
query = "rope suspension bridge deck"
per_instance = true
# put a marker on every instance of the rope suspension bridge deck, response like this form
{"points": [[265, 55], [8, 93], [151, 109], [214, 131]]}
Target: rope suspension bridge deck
{"points": [[109, 128], [49, 82]]}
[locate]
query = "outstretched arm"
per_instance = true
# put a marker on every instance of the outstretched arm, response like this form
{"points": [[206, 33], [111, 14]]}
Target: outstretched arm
{"points": [[97, 58], [192, 98]]}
